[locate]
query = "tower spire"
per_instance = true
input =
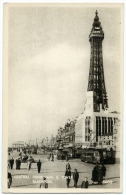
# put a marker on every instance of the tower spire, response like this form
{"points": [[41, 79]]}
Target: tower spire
{"points": [[96, 81], [96, 12]]}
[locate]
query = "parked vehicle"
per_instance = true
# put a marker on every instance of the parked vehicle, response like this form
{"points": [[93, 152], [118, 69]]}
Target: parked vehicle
{"points": [[61, 155], [98, 155]]}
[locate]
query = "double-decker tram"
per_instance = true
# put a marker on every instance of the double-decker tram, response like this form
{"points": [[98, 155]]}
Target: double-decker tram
{"points": [[94, 155]]}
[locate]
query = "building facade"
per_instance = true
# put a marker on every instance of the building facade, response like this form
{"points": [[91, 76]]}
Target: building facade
{"points": [[19, 144]]}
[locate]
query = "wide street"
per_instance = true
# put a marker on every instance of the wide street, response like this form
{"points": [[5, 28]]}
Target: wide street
{"points": [[55, 171]]}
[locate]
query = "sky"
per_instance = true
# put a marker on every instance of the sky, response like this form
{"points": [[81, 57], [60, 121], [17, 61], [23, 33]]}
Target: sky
{"points": [[48, 66]]}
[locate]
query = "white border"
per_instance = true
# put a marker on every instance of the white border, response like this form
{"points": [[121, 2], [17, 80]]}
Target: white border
{"points": [[1, 50]]}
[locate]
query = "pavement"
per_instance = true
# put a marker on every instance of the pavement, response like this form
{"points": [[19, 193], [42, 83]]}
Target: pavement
{"points": [[55, 171]]}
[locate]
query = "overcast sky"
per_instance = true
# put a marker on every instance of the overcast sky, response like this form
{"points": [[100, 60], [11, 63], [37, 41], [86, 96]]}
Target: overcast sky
{"points": [[49, 59]]}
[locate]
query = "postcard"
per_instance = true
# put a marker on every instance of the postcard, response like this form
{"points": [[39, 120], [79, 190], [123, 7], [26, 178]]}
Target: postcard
{"points": [[63, 97]]}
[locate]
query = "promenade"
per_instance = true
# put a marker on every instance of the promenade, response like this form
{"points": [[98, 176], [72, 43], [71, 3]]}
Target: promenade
{"points": [[55, 171]]}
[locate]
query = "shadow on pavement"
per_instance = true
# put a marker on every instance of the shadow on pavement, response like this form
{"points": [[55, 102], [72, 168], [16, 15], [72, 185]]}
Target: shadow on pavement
{"points": [[20, 174], [111, 178], [23, 185]]}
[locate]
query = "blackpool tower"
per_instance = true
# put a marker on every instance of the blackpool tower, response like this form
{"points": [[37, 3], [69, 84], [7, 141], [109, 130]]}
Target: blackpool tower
{"points": [[96, 81]]}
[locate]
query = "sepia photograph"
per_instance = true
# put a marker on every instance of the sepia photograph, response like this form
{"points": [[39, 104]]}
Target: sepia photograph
{"points": [[63, 97]]}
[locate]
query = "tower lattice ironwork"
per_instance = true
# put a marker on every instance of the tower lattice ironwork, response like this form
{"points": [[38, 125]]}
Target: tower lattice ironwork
{"points": [[96, 81]]}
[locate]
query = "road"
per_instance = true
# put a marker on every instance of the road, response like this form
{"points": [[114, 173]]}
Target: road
{"points": [[54, 172]]}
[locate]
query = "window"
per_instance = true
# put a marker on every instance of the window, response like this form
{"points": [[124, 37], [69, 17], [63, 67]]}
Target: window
{"points": [[87, 128], [110, 125], [105, 125]]}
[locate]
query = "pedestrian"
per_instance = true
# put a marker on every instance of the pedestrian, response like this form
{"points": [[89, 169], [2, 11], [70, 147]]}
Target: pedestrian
{"points": [[62, 156], [39, 166], [85, 183], [94, 175], [68, 166], [52, 157], [75, 177], [9, 182], [66, 157], [68, 176], [97, 166], [28, 165], [103, 171], [49, 156], [44, 184], [18, 163], [11, 163], [100, 176]]}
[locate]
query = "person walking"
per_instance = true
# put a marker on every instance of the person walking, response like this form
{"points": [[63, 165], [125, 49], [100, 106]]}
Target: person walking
{"points": [[100, 176], [18, 163], [9, 166], [94, 176], [11, 163], [68, 176], [44, 184], [39, 166], [52, 157], [49, 156], [66, 157], [75, 177], [85, 183], [103, 171], [68, 166], [9, 182], [28, 165]]}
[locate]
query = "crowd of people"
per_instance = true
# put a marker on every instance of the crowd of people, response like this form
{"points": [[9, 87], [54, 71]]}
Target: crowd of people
{"points": [[98, 172]]}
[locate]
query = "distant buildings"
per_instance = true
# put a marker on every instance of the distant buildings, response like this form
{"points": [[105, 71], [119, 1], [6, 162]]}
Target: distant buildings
{"points": [[49, 143], [18, 144]]}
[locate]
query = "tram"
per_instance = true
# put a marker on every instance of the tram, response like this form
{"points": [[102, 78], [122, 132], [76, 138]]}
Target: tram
{"points": [[93, 155]]}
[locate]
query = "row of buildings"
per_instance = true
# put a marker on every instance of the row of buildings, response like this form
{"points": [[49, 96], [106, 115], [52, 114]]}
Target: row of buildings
{"points": [[85, 132]]}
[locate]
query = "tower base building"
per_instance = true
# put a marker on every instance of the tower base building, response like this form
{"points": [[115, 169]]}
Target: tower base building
{"points": [[95, 126]]}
